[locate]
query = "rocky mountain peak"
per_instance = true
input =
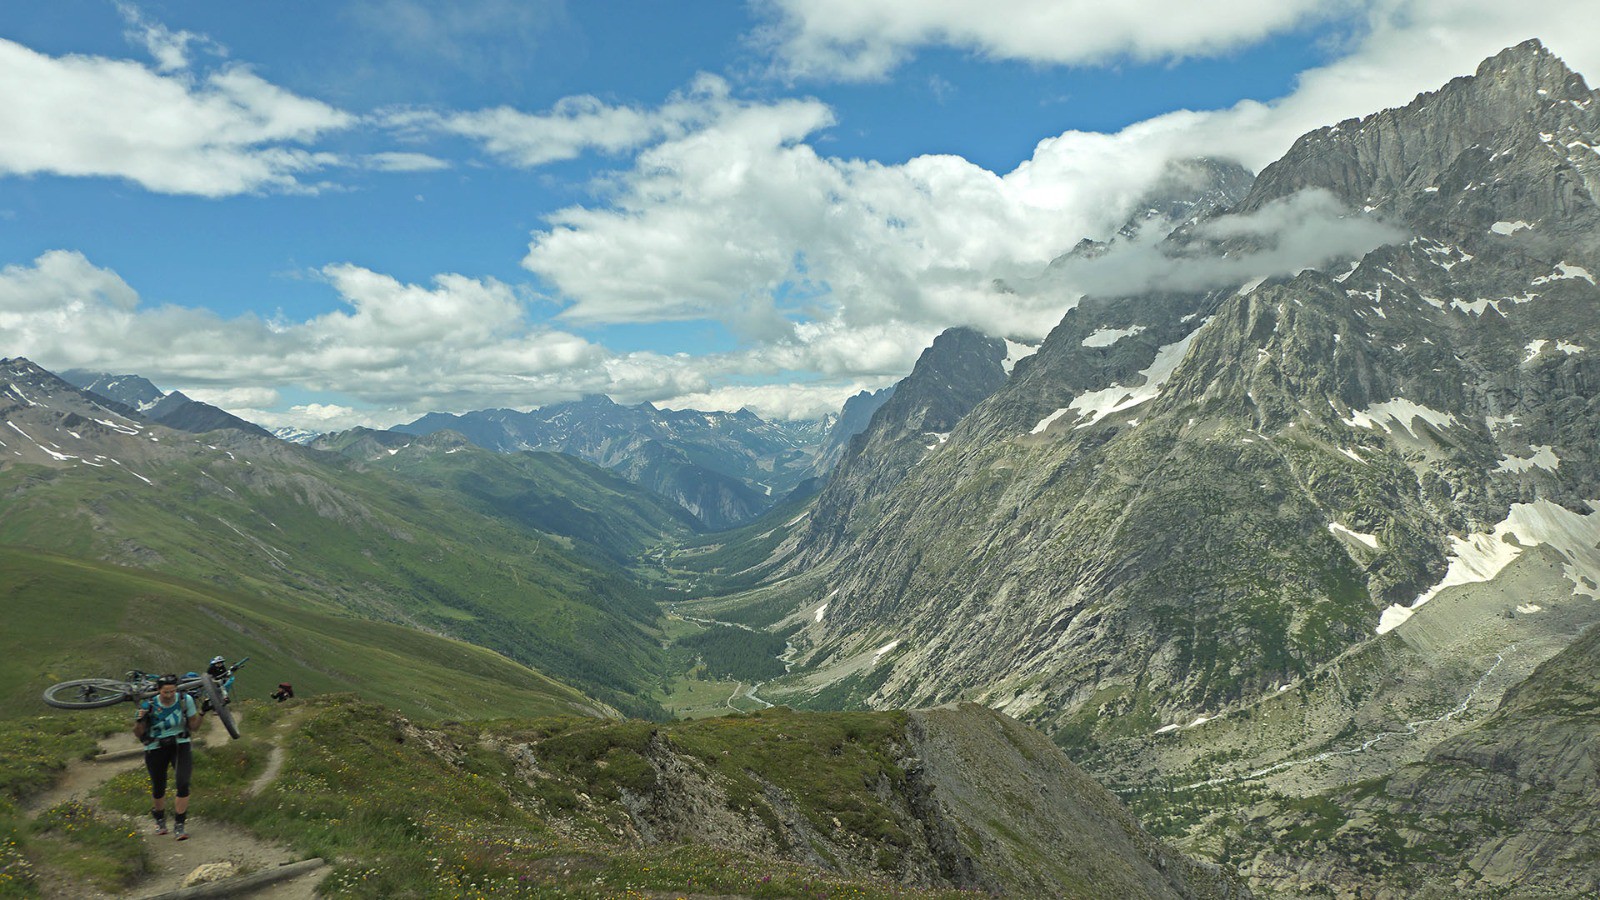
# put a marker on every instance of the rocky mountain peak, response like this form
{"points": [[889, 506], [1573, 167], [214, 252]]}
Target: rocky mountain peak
{"points": [[129, 390], [1514, 142], [1187, 190], [959, 369], [1531, 69], [1187, 499], [24, 382]]}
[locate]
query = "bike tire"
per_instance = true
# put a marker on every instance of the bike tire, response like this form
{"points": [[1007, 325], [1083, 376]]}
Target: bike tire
{"points": [[218, 705], [89, 693]]}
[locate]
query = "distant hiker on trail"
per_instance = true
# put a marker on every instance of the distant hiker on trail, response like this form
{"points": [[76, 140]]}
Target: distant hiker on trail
{"points": [[164, 723], [284, 692]]}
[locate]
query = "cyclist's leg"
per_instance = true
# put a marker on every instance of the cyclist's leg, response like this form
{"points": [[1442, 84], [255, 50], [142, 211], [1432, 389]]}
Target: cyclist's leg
{"points": [[156, 762], [184, 765]]}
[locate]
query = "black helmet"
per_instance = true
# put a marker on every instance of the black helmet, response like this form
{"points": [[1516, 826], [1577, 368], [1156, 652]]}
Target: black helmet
{"points": [[166, 679]]}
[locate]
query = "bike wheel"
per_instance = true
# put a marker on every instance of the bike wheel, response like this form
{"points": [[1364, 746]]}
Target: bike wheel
{"points": [[89, 693], [214, 694]]}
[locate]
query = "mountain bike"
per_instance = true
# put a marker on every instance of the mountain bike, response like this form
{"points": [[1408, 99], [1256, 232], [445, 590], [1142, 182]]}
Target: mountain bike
{"points": [[136, 686]]}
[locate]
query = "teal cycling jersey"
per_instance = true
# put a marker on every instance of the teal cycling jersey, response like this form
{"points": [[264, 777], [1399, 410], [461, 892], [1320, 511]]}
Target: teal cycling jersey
{"points": [[169, 721]]}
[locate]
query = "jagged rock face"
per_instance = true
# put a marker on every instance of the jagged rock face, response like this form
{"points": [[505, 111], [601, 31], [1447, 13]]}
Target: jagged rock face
{"points": [[1185, 499], [959, 370], [976, 766], [50, 422], [853, 419], [724, 468], [1514, 143], [178, 411]]}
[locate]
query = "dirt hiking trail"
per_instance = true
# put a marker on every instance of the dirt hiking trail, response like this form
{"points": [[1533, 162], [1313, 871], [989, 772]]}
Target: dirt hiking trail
{"points": [[173, 861]]}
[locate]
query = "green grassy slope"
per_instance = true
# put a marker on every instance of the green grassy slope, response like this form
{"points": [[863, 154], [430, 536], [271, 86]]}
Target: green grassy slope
{"points": [[547, 492], [320, 531], [68, 618]]}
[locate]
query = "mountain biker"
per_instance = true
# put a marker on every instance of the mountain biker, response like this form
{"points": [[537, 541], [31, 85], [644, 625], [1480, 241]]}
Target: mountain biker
{"points": [[218, 670], [164, 723]]}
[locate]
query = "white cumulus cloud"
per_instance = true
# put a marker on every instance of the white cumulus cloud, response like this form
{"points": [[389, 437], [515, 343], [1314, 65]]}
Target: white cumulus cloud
{"points": [[866, 39], [457, 343], [231, 398], [229, 132]]}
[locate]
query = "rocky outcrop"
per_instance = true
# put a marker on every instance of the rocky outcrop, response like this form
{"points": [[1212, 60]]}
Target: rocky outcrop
{"points": [[1512, 142], [853, 419], [1026, 822], [958, 797]]}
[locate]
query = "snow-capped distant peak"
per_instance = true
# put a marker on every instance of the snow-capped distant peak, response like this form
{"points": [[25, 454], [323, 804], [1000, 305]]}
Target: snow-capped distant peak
{"points": [[295, 435]]}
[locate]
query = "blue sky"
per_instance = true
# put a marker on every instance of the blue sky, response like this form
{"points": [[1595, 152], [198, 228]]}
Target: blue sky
{"points": [[324, 214]]}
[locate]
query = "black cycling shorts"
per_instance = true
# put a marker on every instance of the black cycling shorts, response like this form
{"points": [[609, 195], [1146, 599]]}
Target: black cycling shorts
{"points": [[176, 755]]}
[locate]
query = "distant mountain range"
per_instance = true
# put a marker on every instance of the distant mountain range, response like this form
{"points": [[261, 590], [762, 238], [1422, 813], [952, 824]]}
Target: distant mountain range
{"points": [[173, 410], [724, 468]]}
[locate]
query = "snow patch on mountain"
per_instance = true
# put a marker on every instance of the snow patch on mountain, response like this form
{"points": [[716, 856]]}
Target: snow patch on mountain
{"points": [[295, 435], [1544, 457], [1401, 412], [59, 457], [1480, 557], [1565, 272], [1371, 540], [125, 429], [1534, 348], [1105, 337], [1096, 405], [1016, 352], [24, 397]]}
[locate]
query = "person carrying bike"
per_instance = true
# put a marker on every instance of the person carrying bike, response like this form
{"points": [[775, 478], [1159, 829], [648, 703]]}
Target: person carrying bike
{"points": [[164, 723]]}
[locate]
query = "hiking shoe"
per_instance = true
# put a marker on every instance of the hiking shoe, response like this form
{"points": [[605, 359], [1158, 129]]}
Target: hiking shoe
{"points": [[182, 835], [161, 828]]}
